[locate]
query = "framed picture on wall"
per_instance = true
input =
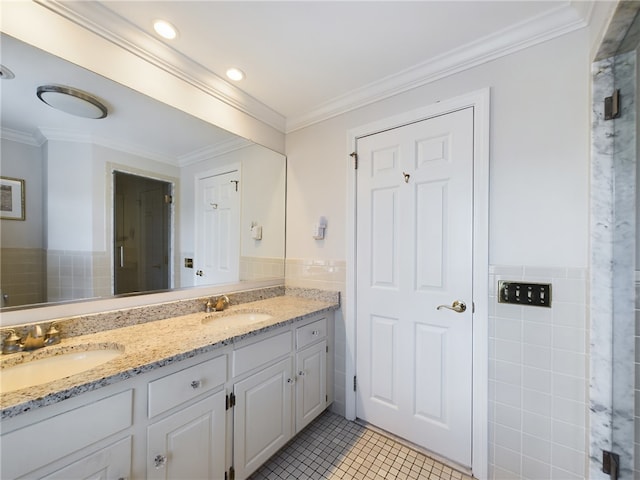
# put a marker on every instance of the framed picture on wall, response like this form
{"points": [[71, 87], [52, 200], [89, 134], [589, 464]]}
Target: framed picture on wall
{"points": [[11, 198]]}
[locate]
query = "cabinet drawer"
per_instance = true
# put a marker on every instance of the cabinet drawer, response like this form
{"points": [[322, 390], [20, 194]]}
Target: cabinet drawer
{"points": [[172, 390], [311, 333], [257, 354], [64, 434]]}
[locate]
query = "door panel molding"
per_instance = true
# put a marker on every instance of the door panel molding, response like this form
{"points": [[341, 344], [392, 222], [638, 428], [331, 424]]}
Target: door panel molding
{"points": [[480, 101]]}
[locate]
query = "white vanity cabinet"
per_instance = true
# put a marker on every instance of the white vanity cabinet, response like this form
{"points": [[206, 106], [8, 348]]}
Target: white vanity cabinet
{"points": [[213, 416], [280, 385], [87, 441], [263, 396], [189, 442]]}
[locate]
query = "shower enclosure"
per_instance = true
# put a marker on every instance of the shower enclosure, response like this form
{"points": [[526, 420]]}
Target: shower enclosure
{"points": [[141, 233]]}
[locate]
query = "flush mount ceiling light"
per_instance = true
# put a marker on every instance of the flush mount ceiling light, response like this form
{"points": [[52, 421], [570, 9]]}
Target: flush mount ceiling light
{"points": [[165, 29], [5, 73], [235, 74], [73, 101]]}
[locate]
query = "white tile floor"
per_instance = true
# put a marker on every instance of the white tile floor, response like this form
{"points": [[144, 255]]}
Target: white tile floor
{"points": [[335, 448]]}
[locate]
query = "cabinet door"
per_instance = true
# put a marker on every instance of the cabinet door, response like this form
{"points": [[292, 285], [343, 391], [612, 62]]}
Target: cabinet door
{"points": [[262, 416], [108, 463], [311, 383], [190, 443]]}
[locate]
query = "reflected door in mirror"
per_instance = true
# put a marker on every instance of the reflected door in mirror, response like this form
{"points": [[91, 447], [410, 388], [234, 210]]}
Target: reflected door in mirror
{"points": [[141, 230], [218, 229]]}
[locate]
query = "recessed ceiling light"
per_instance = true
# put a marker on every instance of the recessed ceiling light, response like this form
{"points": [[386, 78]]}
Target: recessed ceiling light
{"points": [[235, 74], [165, 29]]}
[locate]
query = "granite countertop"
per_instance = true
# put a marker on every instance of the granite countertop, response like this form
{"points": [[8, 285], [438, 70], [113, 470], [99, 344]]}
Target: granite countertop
{"points": [[152, 345]]}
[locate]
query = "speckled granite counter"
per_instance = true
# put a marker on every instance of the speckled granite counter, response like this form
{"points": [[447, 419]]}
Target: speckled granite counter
{"points": [[152, 345]]}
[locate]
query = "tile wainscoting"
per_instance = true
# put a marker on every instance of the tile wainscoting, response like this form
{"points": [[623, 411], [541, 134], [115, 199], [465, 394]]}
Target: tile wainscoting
{"points": [[538, 358]]}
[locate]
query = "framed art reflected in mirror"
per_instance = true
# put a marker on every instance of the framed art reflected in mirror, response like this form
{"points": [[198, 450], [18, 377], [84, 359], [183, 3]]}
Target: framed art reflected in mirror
{"points": [[12, 199]]}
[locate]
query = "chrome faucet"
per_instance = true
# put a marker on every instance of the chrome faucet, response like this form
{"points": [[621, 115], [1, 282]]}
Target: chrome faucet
{"points": [[33, 338]]}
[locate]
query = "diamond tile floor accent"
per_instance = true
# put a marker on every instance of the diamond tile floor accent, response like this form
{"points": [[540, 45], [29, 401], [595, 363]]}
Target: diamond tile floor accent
{"points": [[334, 448]]}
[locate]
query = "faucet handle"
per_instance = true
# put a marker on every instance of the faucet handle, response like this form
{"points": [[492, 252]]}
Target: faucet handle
{"points": [[11, 342], [52, 337]]}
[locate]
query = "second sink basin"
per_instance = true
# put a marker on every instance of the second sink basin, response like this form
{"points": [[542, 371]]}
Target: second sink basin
{"points": [[238, 317], [54, 366]]}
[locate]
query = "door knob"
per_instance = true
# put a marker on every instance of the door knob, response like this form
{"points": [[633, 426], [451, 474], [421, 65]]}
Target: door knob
{"points": [[457, 306], [200, 273]]}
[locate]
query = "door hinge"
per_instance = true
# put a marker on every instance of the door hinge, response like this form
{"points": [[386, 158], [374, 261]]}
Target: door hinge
{"points": [[611, 464], [612, 106], [354, 155], [230, 401], [354, 383], [168, 199], [327, 349]]}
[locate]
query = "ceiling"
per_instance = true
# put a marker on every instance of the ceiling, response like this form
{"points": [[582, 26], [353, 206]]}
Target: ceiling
{"points": [[306, 61]]}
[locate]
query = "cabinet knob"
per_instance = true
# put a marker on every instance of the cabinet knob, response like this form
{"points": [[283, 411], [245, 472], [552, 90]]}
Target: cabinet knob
{"points": [[301, 373], [196, 384], [315, 333], [160, 461], [291, 381]]}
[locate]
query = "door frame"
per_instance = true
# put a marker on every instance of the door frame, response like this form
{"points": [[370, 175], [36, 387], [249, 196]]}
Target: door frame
{"points": [[480, 101]]}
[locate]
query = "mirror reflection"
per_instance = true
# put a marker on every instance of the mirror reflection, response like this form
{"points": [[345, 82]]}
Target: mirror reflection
{"points": [[144, 199]]}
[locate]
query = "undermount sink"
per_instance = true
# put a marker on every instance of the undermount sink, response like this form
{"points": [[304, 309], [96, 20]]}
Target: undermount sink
{"points": [[53, 366], [239, 317]]}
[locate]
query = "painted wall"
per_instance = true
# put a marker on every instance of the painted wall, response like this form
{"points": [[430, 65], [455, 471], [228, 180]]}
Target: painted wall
{"points": [[21, 160], [539, 152], [539, 229]]}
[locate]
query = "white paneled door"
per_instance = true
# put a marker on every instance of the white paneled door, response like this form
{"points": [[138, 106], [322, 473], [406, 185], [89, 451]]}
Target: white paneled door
{"points": [[218, 229], [414, 254]]}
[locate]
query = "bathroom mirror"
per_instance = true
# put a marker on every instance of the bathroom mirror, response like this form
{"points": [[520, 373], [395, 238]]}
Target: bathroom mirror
{"points": [[72, 240]]}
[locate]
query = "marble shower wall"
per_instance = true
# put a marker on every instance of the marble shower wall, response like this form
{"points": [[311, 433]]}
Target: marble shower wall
{"points": [[612, 294]]}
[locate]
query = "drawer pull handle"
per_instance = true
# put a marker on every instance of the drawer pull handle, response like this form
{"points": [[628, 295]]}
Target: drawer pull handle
{"points": [[196, 384], [315, 333], [160, 461]]}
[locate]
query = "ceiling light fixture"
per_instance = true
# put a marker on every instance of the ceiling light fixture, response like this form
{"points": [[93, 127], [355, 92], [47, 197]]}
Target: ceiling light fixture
{"points": [[235, 74], [165, 29], [5, 73], [72, 101]]}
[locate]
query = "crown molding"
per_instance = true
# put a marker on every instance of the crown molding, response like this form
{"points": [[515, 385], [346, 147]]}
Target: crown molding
{"points": [[34, 140], [92, 16], [54, 134], [554, 23], [564, 19], [209, 152]]}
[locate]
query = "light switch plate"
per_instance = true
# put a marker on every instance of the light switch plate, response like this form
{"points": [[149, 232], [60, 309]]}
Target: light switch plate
{"points": [[519, 293]]}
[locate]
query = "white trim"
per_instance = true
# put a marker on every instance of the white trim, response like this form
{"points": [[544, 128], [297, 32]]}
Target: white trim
{"points": [[480, 101]]}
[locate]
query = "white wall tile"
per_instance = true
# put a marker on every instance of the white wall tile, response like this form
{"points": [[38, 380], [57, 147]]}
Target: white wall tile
{"points": [[535, 333], [536, 448], [533, 469], [568, 435], [536, 379], [536, 356], [537, 425]]}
